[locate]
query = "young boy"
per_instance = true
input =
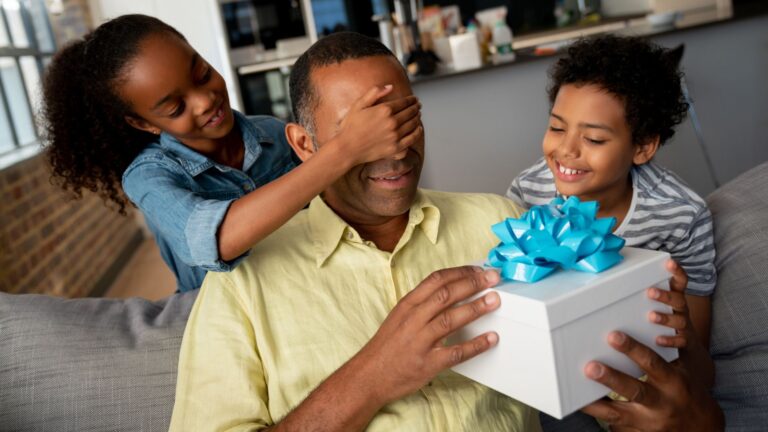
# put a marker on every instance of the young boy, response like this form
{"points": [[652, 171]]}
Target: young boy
{"points": [[615, 101]]}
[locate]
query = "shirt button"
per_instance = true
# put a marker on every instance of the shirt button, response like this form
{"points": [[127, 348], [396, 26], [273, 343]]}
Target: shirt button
{"points": [[350, 235]]}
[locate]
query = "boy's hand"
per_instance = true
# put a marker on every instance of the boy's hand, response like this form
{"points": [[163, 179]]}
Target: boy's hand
{"points": [[373, 130], [680, 319]]}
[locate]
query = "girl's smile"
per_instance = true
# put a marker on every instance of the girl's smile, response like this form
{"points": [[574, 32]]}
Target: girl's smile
{"points": [[174, 90]]}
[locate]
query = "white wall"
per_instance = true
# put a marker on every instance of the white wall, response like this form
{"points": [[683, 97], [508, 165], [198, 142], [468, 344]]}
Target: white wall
{"points": [[198, 20], [483, 128]]}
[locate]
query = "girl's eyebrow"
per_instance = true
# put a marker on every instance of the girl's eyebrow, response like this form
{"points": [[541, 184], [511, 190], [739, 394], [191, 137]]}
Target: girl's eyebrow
{"points": [[166, 98]]}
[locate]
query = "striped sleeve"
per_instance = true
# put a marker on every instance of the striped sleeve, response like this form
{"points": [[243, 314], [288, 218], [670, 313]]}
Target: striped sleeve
{"points": [[695, 252], [515, 193]]}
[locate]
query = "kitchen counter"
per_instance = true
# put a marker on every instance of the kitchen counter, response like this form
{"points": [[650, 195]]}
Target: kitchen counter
{"points": [[637, 26]]}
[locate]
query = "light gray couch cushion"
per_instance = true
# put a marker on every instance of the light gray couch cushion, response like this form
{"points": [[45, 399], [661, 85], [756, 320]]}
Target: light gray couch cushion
{"points": [[89, 364], [739, 344]]}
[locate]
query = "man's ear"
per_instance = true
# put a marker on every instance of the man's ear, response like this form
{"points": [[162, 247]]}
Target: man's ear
{"points": [[300, 140], [644, 152], [141, 124]]}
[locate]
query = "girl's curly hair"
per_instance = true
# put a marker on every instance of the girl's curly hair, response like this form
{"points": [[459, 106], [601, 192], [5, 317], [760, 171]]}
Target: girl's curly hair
{"points": [[88, 142], [645, 76]]}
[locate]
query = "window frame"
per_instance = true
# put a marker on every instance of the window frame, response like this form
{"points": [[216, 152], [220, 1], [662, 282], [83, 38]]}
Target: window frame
{"points": [[18, 149]]}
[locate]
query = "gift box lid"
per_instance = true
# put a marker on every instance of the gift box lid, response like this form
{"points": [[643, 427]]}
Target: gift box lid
{"points": [[567, 295]]}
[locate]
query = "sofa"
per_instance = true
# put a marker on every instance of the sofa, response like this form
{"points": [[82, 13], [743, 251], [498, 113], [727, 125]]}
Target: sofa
{"points": [[110, 365]]}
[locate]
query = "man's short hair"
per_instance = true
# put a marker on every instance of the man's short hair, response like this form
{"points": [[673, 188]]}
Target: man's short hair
{"points": [[332, 49]]}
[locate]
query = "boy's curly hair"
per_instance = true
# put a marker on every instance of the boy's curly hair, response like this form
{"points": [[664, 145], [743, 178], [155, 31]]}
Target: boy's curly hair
{"points": [[88, 142], [645, 76]]}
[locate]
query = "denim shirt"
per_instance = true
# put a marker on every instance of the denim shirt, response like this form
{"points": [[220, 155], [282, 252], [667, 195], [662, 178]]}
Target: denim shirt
{"points": [[184, 195]]}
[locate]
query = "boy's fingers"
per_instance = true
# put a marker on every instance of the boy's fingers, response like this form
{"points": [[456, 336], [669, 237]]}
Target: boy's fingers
{"points": [[675, 321], [671, 298], [371, 97], [679, 280]]}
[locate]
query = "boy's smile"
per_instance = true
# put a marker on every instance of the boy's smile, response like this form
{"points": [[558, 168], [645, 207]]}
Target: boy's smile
{"points": [[588, 146]]}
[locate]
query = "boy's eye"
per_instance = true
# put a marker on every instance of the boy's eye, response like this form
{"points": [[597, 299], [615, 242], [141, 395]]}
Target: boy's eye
{"points": [[595, 141], [555, 129]]}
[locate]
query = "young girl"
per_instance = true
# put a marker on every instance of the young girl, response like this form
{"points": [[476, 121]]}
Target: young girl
{"points": [[134, 103], [615, 101]]}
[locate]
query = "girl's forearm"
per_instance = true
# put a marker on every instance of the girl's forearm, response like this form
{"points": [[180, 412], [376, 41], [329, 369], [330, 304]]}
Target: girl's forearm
{"points": [[254, 216]]}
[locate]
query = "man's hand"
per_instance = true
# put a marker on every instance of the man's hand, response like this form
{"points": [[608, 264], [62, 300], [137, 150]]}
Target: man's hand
{"points": [[403, 355], [408, 350], [374, 130], [670, 400]]}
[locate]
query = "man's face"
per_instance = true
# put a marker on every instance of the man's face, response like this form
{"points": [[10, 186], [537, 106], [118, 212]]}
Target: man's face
{"points": [[381, 189]]}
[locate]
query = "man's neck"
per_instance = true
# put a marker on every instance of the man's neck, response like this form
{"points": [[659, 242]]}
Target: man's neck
{"points": [[385, 234]]}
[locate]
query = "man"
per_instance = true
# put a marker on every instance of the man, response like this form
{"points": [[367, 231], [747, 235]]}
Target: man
{"points": [[320, 328]]}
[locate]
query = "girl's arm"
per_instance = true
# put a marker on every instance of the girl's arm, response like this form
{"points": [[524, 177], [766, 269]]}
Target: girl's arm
{"points": [[370, 131]]}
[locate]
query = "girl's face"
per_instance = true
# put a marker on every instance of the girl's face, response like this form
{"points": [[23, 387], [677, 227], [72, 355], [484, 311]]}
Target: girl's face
{"points": [[172, 89], [588, 144]]}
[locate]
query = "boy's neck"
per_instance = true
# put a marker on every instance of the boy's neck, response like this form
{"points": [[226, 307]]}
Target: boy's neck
{"points": [[614, 202]]}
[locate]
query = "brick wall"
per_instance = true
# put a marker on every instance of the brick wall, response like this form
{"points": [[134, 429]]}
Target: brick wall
{"points": [[54, 245]]}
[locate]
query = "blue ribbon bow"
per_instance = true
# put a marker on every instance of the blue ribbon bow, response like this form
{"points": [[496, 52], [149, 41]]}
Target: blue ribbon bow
{"points": [[562, 233]]}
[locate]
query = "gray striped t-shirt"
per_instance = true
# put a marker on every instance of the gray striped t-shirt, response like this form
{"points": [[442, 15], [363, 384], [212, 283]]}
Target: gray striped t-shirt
{"points": [[665, 215]]}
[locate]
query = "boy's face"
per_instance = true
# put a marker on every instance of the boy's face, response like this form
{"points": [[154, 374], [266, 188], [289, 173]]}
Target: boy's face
{"points": [[380, 189], [172, 89], [588, 144]]}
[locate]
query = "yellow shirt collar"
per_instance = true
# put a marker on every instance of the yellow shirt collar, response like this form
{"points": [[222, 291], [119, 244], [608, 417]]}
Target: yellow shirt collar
{"points": [[328, 229]]}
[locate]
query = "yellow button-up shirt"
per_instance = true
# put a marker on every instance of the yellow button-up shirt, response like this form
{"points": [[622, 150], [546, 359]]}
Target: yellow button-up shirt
{"points": [[261, 338]]}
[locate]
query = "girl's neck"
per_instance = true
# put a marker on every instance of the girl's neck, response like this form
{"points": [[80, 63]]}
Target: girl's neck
{"points": [[228, 150]]}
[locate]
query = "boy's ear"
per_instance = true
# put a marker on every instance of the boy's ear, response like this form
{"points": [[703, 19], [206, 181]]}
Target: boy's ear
{"points": [[644, 152], [301, 140], [141, 124]]}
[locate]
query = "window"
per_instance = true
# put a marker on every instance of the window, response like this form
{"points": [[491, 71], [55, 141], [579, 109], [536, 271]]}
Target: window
{"points": [[26, 46]]}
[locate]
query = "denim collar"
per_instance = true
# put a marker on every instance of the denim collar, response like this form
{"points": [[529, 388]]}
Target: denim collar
{"points": [[195, 163]]}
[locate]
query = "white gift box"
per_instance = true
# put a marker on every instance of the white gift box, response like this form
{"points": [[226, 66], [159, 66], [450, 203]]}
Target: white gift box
{"points": [[549, 330]]}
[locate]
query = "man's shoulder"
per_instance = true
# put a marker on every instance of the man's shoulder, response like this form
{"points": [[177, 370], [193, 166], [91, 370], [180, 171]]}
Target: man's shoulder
{"points": [[486, 205]]}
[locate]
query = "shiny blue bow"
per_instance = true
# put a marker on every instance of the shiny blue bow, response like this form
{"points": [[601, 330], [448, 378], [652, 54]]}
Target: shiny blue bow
{"points": [[562, 233]]}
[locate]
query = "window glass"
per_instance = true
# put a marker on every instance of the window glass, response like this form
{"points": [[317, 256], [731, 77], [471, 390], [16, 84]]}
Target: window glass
{"points": [[6, 138], [16, 94], [42, 28], [12, 9], [5, 40], [31, 75]]}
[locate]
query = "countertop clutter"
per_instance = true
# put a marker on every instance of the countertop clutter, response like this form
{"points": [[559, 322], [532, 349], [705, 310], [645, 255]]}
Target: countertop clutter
{"points": [[542, 44]]}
